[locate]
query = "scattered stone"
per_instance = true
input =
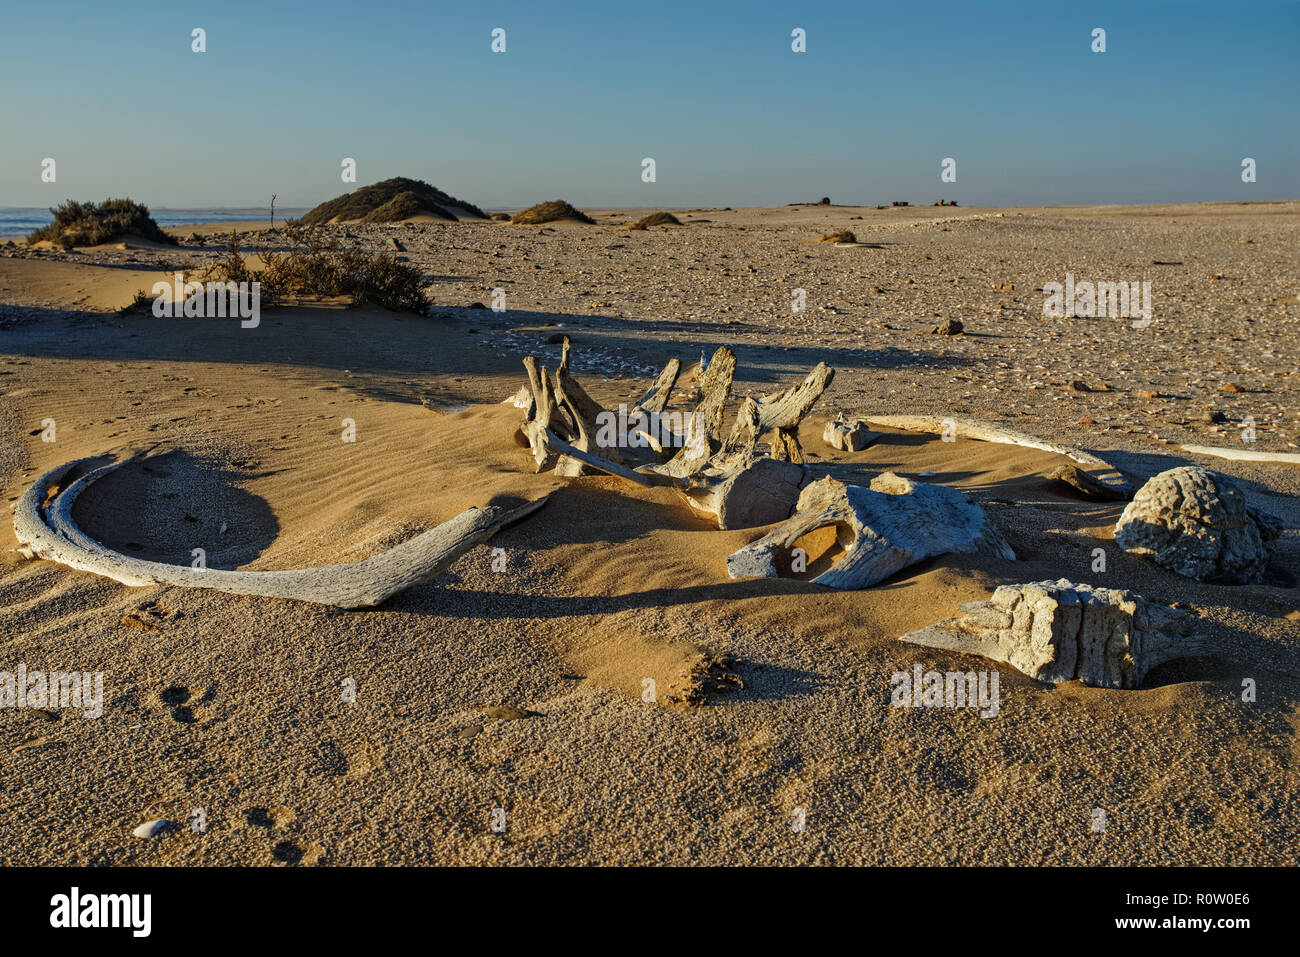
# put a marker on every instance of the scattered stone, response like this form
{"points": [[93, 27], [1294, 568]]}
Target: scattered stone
{"points": [[1197, 523], [949, 327], [850, 436], [1059, 631]]}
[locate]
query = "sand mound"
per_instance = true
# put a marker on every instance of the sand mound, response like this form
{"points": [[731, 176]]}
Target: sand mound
{"points": [[551, 212], [392, 200], [656, 219], [97, 224]]}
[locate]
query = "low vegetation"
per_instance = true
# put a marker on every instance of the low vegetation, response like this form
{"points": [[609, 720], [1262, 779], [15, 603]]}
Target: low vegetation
{"points": [[843, 236], [551, 212], [389, 201], [317, 267], [656, 219], [90, 224]]}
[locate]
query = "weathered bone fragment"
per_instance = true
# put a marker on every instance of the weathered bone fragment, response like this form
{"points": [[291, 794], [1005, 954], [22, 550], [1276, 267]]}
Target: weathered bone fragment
{"points": [[1197, 523], [1103, 471], [1245, 455], [46, 529], [704, 432], [882, 529], [1084, 483], [1059, 631], [745, 492], [735, 485], [779, 414], [656, 400], [848, 435]]}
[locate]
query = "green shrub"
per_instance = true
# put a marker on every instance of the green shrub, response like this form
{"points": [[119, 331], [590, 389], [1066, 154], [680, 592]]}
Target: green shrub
{"points": [[89, 224]]}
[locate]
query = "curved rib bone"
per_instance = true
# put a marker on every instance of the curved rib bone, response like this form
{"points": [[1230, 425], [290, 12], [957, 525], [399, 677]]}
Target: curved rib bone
{"points": [[47, 530], [988, 432]]}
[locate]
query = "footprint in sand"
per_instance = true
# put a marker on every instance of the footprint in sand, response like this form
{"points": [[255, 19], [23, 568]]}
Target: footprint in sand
{"points": [[289, 851], [186, 709]]}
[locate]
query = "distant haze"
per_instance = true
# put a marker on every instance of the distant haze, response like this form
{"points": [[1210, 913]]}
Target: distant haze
{"points": [[712, 92]]}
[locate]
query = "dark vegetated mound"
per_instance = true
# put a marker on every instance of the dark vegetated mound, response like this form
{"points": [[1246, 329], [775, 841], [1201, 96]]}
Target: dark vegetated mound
{"points": [[89, 224], [318, 268], [400, 197], [404, 206], [550, 212], [656, 219]]}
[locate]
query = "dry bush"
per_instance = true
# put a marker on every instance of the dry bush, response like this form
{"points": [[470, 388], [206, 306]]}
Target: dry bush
{"points": [[317, 267], [656, 219], [556, 209]]}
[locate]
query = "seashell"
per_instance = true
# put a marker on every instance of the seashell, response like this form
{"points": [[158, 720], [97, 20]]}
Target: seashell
{"points": [[150, 828]]}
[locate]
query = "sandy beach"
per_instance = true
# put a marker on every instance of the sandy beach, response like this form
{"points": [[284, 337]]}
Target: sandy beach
{"points": [[514, 695]]}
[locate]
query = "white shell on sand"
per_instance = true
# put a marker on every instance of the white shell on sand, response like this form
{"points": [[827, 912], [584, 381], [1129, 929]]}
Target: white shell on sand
{"points": [[150, 828]]}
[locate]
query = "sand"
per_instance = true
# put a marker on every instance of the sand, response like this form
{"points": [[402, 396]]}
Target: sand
{"points": [[522, 689]]}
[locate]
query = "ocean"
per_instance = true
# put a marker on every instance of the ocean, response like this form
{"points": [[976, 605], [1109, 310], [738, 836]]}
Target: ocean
{"points": [[17, 221]]}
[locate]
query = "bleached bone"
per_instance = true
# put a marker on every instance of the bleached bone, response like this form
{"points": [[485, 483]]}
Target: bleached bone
{"points": [[1198, 523], [745, 492], [1107, 474], [1245, 455], [656, 400], [704, 431], [733, 485], [882, 529], [1059, 631], [848, 435], [46, 529], [583, 412], [780, 413]]}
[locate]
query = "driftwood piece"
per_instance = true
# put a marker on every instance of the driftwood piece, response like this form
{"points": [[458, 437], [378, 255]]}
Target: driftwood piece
{"points": [[780, 415], [882, 529], [1059, 631], [46, 529], [1103, 471]]}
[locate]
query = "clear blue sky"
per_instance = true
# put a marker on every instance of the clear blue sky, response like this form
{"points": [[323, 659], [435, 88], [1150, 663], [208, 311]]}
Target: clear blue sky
{"points": [[711, 91]]}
